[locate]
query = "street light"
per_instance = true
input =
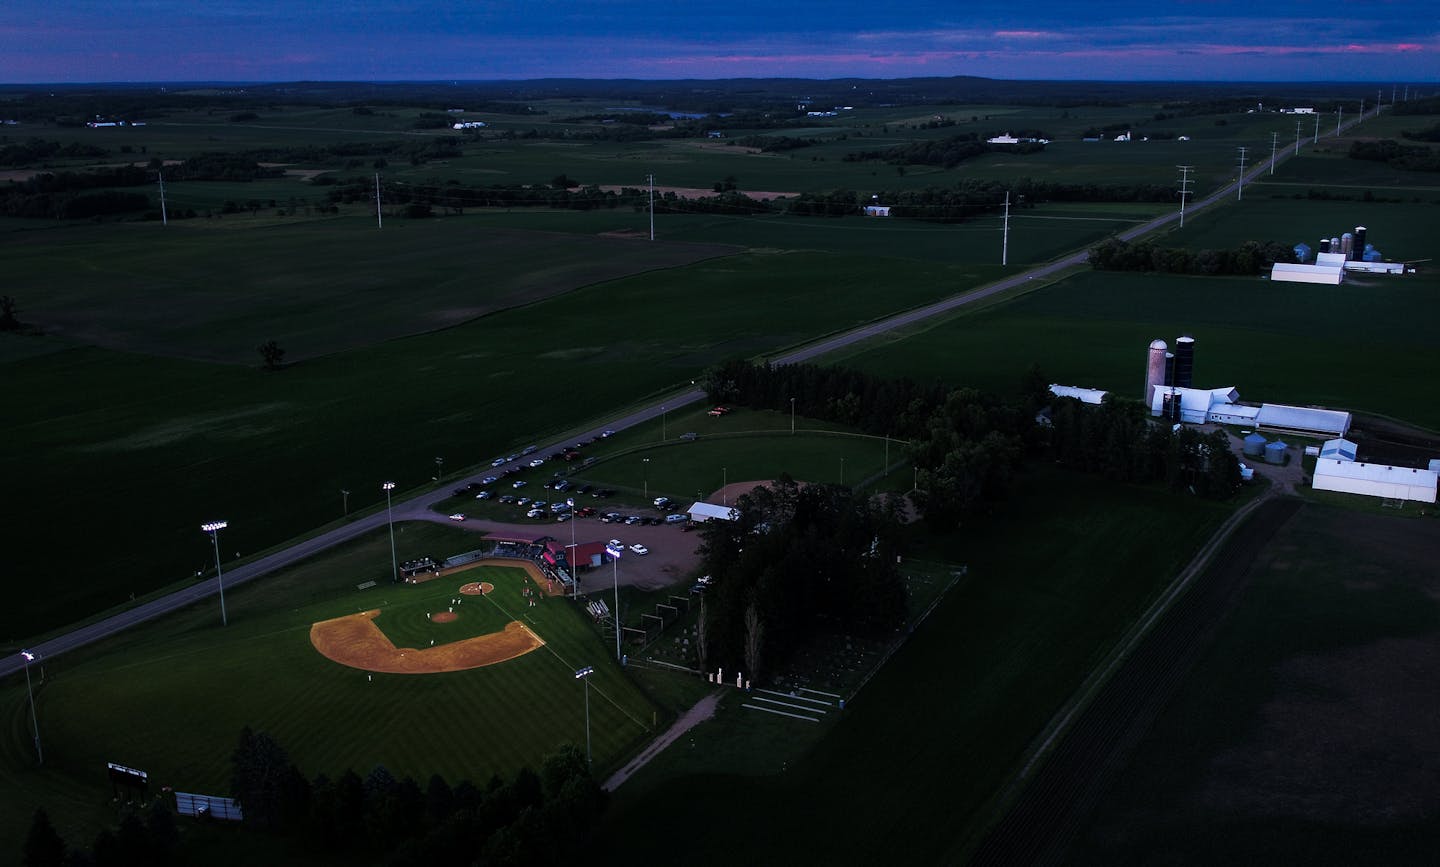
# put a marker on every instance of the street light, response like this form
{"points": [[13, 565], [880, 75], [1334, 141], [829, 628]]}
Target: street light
{"points": [[34, 723], [615, 553], [792, 415], [439, 467], [345, 503], [662, 422], [390, 519], [584, 674], [214, 528], [645, 476], [842, 471]]}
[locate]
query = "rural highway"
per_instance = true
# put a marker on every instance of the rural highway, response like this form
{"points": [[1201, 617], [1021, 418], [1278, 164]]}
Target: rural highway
{"points": [[420, 503]]}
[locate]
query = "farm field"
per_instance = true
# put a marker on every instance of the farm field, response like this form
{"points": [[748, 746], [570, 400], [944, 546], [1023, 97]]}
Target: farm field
{"points": [[1306, 731], [1270, 341], [171, 697], [931, 738], [180, 442], [1400, 231]]}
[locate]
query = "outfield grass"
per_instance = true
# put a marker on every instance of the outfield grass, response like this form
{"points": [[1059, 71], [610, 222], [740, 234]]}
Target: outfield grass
{"points": [[171, 697], [1305, 732], [913, 762]]}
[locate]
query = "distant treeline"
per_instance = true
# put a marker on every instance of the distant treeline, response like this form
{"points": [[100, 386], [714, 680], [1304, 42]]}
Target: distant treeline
{"points": [[75, 195], [35, 150], [946, 153], [1411, 158], [1428, 105], [1248, 259]]}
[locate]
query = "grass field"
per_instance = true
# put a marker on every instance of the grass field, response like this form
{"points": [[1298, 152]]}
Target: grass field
{"points": [[180, 442], [938, 730], [1306, 731], [1273, 342], [171, 697]]}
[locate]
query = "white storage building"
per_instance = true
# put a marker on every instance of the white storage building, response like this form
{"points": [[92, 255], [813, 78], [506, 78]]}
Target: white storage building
{"points": [[1375, 480], [1287, 272], [1084, 395], [710, 511]]}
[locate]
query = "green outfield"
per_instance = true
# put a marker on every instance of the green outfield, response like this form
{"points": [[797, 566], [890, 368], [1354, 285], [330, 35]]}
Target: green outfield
{"points": [[171, 697]]}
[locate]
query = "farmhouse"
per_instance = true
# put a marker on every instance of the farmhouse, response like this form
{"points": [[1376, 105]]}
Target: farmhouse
{"points": [[708, 511]]}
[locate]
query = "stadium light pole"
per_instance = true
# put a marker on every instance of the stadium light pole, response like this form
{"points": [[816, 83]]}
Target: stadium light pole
{"points": [[792, 415], [214, 528], [390, 519], [664, 415], [615, 553], [574, 576], [30, 657], [584, 674], [645, 476], [344, 503]]}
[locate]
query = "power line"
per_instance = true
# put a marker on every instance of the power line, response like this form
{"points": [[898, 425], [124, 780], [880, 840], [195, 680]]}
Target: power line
{"points": [[1184, 189]]}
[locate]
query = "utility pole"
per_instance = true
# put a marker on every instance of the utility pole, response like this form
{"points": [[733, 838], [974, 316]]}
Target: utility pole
{"points": [[1362, 108], [651, 178], [1297, 138], [344, 503], [1317, 127], [379, 221], [1339, 113], [1005, 243], [1240, 184], [1274, 143], [164, 217], [1184, 189]]}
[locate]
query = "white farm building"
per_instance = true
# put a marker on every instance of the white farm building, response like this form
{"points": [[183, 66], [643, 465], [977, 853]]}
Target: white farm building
{"points": [[1374, 480]]}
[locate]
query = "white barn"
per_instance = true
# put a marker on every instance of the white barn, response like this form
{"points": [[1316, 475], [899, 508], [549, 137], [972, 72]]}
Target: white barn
{"points": [[1375, 480], [1303, 420], [709, 511], [1338, 450], [1287, 272], [1084, 395]]}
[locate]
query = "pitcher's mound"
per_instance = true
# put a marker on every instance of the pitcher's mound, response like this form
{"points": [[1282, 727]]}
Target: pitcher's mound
{"points": [[444, 617], [477, 588]]}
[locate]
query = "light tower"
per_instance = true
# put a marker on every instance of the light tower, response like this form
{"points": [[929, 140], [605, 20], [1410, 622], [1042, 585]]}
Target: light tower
{"points": [[214, 528], [387, 487]]}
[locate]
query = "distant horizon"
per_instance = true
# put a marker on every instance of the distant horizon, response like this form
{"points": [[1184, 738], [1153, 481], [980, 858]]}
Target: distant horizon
{"points": [[270, 41], [192, 82]]}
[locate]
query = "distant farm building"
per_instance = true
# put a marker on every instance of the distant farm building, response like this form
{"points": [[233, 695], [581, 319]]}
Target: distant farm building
{"points": [[877, 210], [1084, 395]]}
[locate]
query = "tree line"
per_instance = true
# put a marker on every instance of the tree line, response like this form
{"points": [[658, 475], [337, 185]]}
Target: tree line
{"points": [[947, 152], [1247, 259], [800, 560], [1410, 158]]}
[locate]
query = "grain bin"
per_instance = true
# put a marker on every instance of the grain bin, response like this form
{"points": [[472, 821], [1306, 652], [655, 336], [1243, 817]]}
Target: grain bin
{"points": [[1275, 452], [1255, 446]]}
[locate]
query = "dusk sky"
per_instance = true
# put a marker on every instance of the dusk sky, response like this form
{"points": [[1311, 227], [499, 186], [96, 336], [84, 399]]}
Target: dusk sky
{"points": [[282, 40]]}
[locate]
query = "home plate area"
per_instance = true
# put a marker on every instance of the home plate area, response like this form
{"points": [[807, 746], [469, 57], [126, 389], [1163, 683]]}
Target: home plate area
{"points": [[810, 705]]}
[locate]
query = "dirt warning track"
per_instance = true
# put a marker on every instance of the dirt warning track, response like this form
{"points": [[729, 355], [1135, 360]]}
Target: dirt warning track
{"points": [[356, 641]]}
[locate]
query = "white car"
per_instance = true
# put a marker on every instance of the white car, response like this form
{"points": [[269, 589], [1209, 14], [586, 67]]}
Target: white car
{"points": [[616, 543], [457, 517], [537, 462], [519, 483], [639, 549], [497, 462]]}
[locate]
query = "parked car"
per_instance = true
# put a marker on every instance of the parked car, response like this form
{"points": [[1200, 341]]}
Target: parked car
{"points": [[584, 489], [584, 511], [606, 434], [506, 499], [484, 495], [676, 519], [527, 450], [632, 520], [538, 462], [489, 480], [639, 549], [563, 516], [535, 513], [497, 462], [616, 543], [523, 501], [519, 483], [458, 516], [661, 501]]}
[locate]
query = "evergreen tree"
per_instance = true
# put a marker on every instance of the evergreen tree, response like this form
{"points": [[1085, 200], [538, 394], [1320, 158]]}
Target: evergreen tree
{"points": [[43, 846]]}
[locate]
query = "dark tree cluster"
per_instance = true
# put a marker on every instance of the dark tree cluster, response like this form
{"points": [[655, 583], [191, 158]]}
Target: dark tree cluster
{"points": [[34, 150], [800, 560], [1248, 259], [220, 167], [75, 195], [538, 819], [1410, 158], [946, 153], [1428, 105], [1118, 440], [146, 838], [835, 203], [772, 144], [1429, 133]]}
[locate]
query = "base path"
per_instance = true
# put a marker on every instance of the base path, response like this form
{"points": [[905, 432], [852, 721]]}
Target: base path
{"points": [[703, 710], [356, 641]]}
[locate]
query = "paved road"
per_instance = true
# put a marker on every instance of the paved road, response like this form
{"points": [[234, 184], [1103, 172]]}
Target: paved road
{"points": [[419, 504]]}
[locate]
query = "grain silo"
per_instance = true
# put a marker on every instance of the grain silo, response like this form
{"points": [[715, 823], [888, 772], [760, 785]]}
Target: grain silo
{"points": [[1255, 445], [1154, 369], [1359, 250], [1347, 244], [1324, 245], [1184, 362], [1275, 452]]}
